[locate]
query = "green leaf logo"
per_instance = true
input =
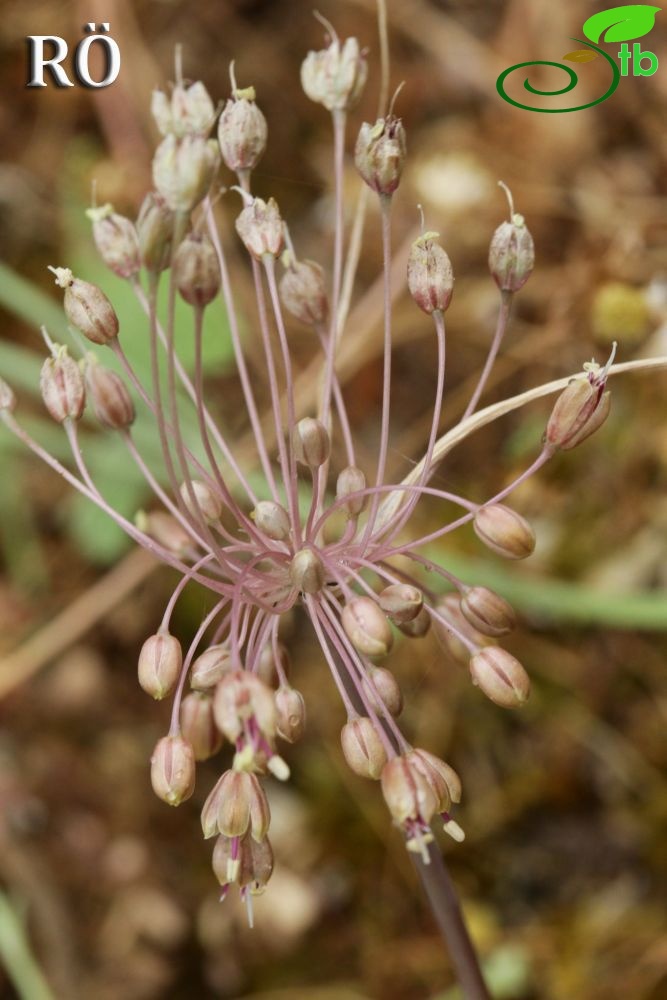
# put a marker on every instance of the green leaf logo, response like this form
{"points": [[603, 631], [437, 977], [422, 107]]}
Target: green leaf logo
{"points": [[621, 24]]}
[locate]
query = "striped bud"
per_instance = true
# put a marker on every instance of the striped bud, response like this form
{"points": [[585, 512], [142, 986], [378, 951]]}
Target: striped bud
{"points": [[363, 748], [112, 403], [183, 170], [335, 76], [160, 662], [242, 131], [488, 612], [303, 292], [291, 710], [173, 770], [406, 791], [198, 725], [87, 308], [401, 602], [500, 676], [512, 254], [504, 531], [379, 154], [311, 443], [210, 667], [366, 627], [196, 270], [443, 779], [430, 275], [62, 387], [116, 240], [155, 227], [580, 409], [382, 689], [261, 228]]}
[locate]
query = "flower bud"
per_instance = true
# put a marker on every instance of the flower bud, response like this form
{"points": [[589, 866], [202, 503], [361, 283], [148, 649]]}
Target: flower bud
{"points": [[242, 806], [291, 710], [87, 308], [418, 626], [366, 627], [62, 387], [198, 725], [261, 228], [241, 696], [251, 866], [272, 520], [406, 791], [307, 571], [581, 408], [116, 240], [207, 503], [380, 152], [160, 662], [382, 688], [488, 612], [443, 779], [430, 275], [7, 397], [335, 76], [155, 227], [311, 442], [450, 608], [303, 292], [190, 110], [165, 530], [210, 667], [183, 170], [363, 748], [266, 666], [500, 676], [196, 270], [351, 480], [504, 531], [512, 254], [173, 770], [401, 602], [242, 131], [107, 392]]}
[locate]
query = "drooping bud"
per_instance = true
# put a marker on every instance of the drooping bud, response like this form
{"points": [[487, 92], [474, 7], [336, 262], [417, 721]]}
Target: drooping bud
{"points": [[303, 292], [307, 571], [155, 227], [512, 252], [261, 228], [160, 662], [406, 791], [108, 393], [241, 696], [382, 688], [198, 725], [173, 770], [62, 387], [418, 626], [183, 170], [504, 531], [210, 667], [366, 627], [488, 612], [443, 779], [581, 408], [266, 666], [242, 806], [500, 676], [451, 643], [311, 442], [196, 270], [87, 308], [190, 111], [116, 240], [430, 275], [272, 520], [165, 530], [7, 397], [335, 76], [206, 500], [379, 154], [363, 748], [351, 480], [291, 710], [242, 131], [245, 862], [401, 602]]}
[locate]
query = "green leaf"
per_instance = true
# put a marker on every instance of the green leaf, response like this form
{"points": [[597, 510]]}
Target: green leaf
{"points": [[621, 24]]}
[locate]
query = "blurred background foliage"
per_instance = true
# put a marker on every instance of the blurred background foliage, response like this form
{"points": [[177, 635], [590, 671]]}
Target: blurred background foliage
{"points": [[107, 894]]}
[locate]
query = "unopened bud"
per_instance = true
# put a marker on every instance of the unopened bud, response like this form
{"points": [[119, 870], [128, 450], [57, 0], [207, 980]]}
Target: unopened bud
{"points": [[173, 770], [307, 571], [504, 531], [512, 254], [198, 725], [366, 627], [418, 626], [272, 520], [210, 667], [7, 397], [335, 76], [380, 153], [443, 779], [450, 609], [401, 602], [242, 806], [201, 500], [363, 748], [183, 170], [189, 111], [311, 442], [266, 666], [500, 676], [247, 863], [351, 480], [430, 275], [303, 292], [62, 387], [155, 227], [382, 688], [241, 696], [261, 228], [406, 791], [196, 270], [242, 131], [165, 530], [160, 662], [488, 612], [291, 713], [87, 308], [108, 393], [581, 408], [116, 240]]}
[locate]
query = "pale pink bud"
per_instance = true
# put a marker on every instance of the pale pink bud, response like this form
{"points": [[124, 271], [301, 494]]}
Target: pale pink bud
{"points": [[303, 292], [87, 308], [366, 627], [430, 275], [239, 697], [242, 806], [198, 726], [116, 240], [443, 779], [449, 607], [401, 602], [307, 571], [173, 770], [207, 503], [266, 667], [210, 667], [335, 76], [406, 791], [291, 710], [418, 626], [251, 866], [500, 676], [196, 270], [242, 131], [512, 254], [7, 397], [311, 442], [382, 688], [363, 748], [272, 520], [165, 530], [488, 612], [183, 170], [261, 228], [160, 662], [62, 387], [351, 480], [155, 227], [379, 154], [190, 110], [108, 394], [581, 408], [504, 531]]}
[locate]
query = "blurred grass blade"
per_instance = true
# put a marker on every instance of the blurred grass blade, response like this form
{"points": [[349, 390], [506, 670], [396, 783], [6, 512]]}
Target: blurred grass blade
{"points": [[17, 959]]}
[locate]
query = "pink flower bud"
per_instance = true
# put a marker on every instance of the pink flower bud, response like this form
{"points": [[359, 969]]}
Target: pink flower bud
{"points": [[311, 442], [500, 676], [210, 667], [512, 254], [335, 76], [160, 662], [87, 308], [380, 153], [351, 480], [62, 387], [418, 626], [581, 408], [7, 397], [242, 131], [303, 292], [116, 240], [504, 531], [401, 602], [291, 710], [198, 726], [406, 791], [173, 770], [366, 627], [190, 110], [196, 270], [266, 667], [239, 697], [450, 608], [242, 806], [207, 503], [430, 276], [272, 520], [155, 227], [107, 392], [488, 612], [381, 687], [165, 530], [183, 170], [443, 779], [261, 228], [307, 571], [363, 748], [250, 866]]}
